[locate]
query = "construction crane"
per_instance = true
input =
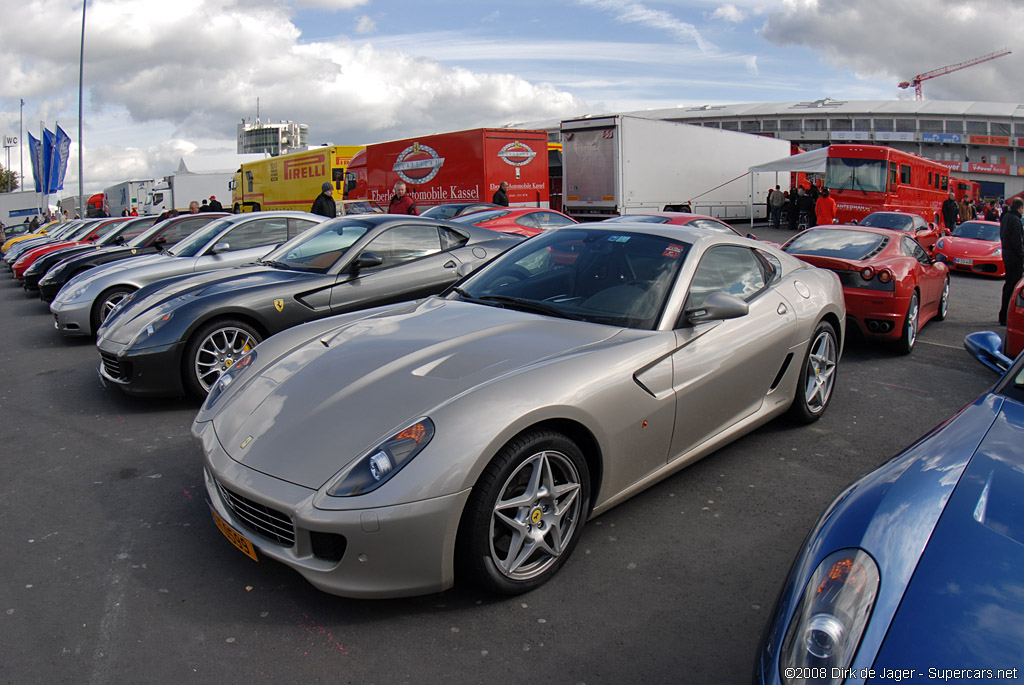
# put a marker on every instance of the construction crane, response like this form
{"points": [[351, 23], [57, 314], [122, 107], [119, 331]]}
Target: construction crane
{"points": [[942, 71]]}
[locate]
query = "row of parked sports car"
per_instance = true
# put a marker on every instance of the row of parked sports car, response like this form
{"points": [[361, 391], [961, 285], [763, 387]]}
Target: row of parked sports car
{"points": [[383, 443]]}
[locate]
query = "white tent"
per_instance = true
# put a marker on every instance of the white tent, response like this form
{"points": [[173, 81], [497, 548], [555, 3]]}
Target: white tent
{"points": [[812, 162]]}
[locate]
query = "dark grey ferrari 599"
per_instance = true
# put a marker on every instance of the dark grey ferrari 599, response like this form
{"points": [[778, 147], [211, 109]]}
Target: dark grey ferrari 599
{"points": [[471, 435], [180, 334]]}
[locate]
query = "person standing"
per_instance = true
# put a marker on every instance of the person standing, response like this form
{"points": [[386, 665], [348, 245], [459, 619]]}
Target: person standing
{"points": [[793, 210], [324, 204], [215, 205], [990, 211], [966, 213], [1011, 235], [204, 207], [825, 208], [950, 212], [402, 202], [775, 201], [193, 207], [501, 194]]}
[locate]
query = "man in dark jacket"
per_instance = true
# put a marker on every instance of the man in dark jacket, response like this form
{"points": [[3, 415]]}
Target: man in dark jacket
{"points": [[402, 202], [215, 205], [324, 203], [501, 194], [950, 212], [1011, 234]]}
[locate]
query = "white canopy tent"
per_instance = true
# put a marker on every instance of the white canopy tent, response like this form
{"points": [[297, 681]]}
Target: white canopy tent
{"points": [[812, 162]]}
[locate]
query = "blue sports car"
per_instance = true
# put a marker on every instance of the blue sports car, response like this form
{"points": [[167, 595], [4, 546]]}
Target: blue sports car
{"points": [[917, 569]]}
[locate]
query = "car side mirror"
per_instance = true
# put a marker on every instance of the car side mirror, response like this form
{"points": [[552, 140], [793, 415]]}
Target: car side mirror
{"points": [[366, 260], [717, 306], [464, 269], [941, 258], [987, 348], [752, 236], [220, 247]]}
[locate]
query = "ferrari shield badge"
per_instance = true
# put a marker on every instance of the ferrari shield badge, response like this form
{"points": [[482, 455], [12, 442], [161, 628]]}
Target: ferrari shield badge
{"points": [[279, 305]]}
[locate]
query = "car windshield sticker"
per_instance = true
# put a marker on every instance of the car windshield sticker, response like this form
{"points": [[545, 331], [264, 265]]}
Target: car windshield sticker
{"points": [[618, 238], [672, 251]]}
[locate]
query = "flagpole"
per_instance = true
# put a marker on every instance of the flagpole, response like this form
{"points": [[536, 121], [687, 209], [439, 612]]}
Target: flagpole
{"points": [[42, 172], [81, 71], [21, 144]]}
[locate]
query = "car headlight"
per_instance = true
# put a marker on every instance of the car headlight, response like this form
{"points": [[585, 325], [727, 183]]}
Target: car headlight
{"points": [[379, 464], [998, 252], [76, 294], [227, 378], [149, 329], [826, 629]]}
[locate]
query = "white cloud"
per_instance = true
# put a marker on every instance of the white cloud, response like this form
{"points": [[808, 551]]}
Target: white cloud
{"points": [[895, 41], [365, 25], [331, 4], [729, 13], [636, 13]]}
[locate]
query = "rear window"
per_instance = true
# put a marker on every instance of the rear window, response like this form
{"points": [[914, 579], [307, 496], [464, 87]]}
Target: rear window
{"points": [[900, 222], [836, 243]]}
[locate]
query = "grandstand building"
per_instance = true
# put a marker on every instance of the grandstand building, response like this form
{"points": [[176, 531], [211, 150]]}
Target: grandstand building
{"points": [[271, 138]]}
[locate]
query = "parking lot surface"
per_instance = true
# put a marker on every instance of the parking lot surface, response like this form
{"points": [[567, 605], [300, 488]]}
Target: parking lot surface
{"points": [[114, 572]]}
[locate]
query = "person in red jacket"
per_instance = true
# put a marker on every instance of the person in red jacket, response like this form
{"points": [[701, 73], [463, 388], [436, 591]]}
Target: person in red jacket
{"points": [[825, 208], [402, 202]]}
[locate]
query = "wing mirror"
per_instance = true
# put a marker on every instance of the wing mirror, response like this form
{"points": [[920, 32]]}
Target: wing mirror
{"points": [[366, 260], [717, 306], [987, 348], [220, 247]]}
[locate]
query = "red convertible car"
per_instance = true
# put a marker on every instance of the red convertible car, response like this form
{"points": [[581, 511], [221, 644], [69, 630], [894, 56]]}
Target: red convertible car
{"points": [[974, 247], [891, 286], [527, 221]]}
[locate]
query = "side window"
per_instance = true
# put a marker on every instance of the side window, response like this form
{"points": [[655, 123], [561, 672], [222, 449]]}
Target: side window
{"points": [[297, 226], [893, 174], [905, 173], [945, 182], [182, 230], [919, 254], [137, 228], [257, 234], [529, 220], [730, 268], [451, 239], [710, 225], [551, 220], [405, 243]]}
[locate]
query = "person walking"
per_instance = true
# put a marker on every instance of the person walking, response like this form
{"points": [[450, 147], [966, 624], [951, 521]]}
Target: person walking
{"points": [[775, 201], [825, 208], [324, 204], [501, 194], [402, 202], [950, 212], [1011, 235]]}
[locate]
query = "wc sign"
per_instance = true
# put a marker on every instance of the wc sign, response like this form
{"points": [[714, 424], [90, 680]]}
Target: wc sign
{"points": [[10, 141]]}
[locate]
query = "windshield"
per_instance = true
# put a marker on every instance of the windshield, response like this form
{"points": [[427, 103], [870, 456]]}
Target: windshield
{"points": [[319, 248], [108, 228], [190, 246], [976, 230], [855, 174], [141, 239], [899, 222], [600, 276], [641, 218], [837, 243], [480, 217], [346, 207]]}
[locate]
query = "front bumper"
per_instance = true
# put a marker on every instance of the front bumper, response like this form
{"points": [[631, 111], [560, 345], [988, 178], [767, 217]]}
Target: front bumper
{"points": [[149, 371], [986, 266], [396, 551], [72, 318], [878, 314]]}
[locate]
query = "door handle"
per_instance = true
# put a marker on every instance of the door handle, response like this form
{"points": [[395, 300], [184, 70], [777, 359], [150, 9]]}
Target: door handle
{"points": [[782, 310], [450, 264]]}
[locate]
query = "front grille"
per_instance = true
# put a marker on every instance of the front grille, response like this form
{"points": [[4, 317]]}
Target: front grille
{"points": [[115, 368], [261, 519]]}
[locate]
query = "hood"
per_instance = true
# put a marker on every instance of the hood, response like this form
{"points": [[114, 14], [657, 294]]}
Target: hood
{"points": [[335, 396], [98, 272], [168, 294], [964, 607], [968, 246]]}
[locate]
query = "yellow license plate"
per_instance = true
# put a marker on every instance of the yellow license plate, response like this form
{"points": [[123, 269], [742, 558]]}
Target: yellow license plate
{"points": [[236, 538]]}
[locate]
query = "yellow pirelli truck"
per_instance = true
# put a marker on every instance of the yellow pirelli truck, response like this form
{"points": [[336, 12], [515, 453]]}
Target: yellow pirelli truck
{"points": [[290, 181]]}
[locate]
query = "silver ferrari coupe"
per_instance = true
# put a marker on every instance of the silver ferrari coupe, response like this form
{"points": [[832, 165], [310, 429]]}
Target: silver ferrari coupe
{"points": [[471, 435]]}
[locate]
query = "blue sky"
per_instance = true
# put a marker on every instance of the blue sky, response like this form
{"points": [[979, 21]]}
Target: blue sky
{"points": [[166, 82]]}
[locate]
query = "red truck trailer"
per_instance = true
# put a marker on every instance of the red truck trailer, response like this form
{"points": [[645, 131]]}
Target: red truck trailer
{"points": [[454, 167]]}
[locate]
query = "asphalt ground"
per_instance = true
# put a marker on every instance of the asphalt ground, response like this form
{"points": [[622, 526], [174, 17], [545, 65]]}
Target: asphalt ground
{"points": [[113, 571]]}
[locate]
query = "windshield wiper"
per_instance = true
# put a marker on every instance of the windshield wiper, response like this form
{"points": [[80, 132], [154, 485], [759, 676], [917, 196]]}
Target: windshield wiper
{"points": [[528, 306], [272, 263]]}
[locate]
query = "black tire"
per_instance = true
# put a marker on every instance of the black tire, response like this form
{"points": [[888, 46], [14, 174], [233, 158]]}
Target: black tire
{"points": [[106, 301], [910, 325], [212, 350], [943, 302], [487, 531], [814, 392]]}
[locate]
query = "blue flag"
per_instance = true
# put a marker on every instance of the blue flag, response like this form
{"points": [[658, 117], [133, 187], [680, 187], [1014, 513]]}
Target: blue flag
{"points": [[47, 159], [59, 163], [35, 153]]}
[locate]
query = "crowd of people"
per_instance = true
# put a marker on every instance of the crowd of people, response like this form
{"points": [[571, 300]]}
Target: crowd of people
{"points": [[801, 206]]}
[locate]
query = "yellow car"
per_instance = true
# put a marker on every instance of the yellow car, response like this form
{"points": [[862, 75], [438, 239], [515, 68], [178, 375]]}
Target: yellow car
{"points": [[43, 230]]}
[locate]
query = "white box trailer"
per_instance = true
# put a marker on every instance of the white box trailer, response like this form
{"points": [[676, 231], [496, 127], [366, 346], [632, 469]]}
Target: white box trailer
{"points": [[126, 195], [620, 165], [177, 190], [19, 205]]}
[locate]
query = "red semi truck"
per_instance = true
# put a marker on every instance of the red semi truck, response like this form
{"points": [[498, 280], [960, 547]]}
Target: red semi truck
{"points": [[454, 167]]}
